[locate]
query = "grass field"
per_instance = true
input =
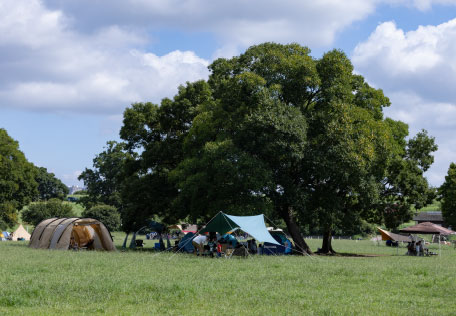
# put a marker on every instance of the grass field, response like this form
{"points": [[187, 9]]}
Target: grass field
{"points": [[435, 206], [42, 282], [77, 208]]}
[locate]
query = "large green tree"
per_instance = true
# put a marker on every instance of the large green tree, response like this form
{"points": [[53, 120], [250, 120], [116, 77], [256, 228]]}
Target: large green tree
{"points": [[103, 182], [49, 186], [404, 188], [273, 130], [244, 148], [312, 131], [38, 211], [447, 195], [106, 214], [156, 134], [17, 179]]}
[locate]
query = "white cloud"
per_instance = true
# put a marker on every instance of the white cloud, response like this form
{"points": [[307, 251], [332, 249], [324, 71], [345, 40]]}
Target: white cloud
{"points": [[17, 18], [45, 65], [437, 118], [421, 61], [236, 23], [422, 5], [59, 56], [417, 70]]}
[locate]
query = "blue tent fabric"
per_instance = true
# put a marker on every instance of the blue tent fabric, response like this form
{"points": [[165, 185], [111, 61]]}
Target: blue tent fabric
{"points": [[230, 239], [186, 243], [284, 247], [254, 226], [288, 248], [271, 249]]}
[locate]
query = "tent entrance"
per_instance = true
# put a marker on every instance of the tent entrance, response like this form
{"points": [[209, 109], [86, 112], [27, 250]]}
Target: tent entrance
{"points": [[85, 236]]}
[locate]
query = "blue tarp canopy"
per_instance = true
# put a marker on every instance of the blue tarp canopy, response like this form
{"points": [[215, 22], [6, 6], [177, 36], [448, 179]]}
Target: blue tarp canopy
{"points": [[253, 225], [185, 244]]}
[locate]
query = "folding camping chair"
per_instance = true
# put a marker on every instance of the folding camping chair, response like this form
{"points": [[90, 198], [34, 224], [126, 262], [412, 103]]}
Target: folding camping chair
{"points": [[238, 252]]}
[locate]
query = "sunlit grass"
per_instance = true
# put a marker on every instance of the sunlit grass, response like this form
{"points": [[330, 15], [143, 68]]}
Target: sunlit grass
{"points": [[43, 282], [77, 208], [434, 207]]}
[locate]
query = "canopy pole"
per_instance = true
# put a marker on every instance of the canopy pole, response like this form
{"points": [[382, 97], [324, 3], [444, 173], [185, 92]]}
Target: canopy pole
{"points": [[440, 247]]}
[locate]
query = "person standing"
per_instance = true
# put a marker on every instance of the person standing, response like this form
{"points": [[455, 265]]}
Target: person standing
{"points": [[419, 248], [198, 244]]}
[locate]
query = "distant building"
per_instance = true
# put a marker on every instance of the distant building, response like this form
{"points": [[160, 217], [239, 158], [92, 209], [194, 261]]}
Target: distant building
{"points": [[433, 217], [75, 188]]}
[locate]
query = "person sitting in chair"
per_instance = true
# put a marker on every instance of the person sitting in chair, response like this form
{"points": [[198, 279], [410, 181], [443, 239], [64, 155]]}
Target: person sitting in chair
{"points": [[411, 250], [73, 244], [252, 246]]}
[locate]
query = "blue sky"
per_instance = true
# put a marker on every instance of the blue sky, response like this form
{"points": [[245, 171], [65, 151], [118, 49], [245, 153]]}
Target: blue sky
{"points": [[69, 68]]}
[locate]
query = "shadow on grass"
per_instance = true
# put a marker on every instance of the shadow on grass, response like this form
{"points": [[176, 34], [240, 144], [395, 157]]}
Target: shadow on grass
{"points": [[353, 255]]}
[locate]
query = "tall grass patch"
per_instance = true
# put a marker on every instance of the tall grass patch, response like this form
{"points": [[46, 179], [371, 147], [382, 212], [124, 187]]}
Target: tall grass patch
{"points": [[43, 282]]}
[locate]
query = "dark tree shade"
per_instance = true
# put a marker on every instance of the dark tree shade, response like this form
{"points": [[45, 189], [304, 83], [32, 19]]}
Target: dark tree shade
{"points": [[17, 179], [107, 214], [273, 131], [104, 181], [49, 186], [158, 133], [404, 187], [38, 211], [447, 195]]}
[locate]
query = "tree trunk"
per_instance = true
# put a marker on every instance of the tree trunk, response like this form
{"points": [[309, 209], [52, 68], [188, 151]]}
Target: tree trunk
{"points": [[295, 232], [326, 248]]}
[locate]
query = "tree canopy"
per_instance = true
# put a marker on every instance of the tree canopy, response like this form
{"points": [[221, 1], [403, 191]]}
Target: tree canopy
{"points": [[38, 211], [49, 186], [447, 195], [275, 131], [17, 179], [154, 136], [104, 181], [106, 214]]}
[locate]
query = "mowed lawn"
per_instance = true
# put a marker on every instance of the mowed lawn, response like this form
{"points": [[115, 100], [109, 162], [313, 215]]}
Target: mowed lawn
{"points": [[42, 282]]}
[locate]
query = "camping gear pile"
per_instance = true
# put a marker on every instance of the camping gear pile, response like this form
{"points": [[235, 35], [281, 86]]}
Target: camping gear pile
{"points": [[4, 236], [221, 230], [20, 234], [428, 228], [274, 242]]}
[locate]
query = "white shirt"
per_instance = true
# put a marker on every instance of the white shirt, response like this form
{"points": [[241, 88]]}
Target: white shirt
{"points": [[200, 239]]}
